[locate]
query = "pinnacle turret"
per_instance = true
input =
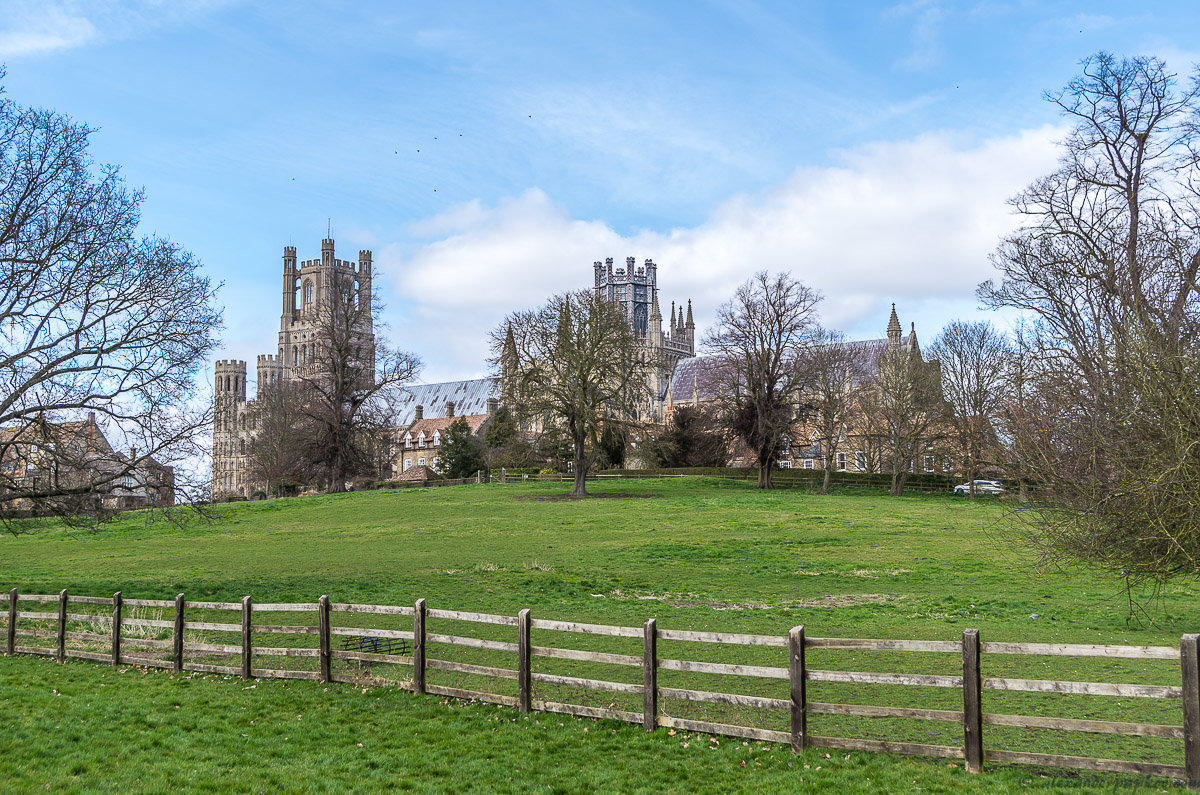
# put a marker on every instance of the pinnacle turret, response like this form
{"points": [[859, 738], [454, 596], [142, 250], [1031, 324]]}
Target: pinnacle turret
{"points": [[893, 329]]}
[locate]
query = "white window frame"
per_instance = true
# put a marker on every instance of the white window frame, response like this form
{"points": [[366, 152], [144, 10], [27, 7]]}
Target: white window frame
{"points": [[860, 460], [840, 462]]}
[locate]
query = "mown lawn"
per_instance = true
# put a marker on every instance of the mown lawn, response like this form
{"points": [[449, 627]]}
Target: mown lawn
{"points": [[694, 554]]}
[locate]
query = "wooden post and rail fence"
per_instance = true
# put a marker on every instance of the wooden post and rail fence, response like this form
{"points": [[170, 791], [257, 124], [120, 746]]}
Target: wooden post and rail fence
{"points": [[177, 653]]}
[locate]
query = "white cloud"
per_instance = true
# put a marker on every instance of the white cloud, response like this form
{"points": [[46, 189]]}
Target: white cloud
{"points": [[30, 29], [928, 16], [909, 221], [35, 27]]}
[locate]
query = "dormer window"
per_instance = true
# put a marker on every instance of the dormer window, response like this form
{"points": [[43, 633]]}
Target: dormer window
{"points": [[408, 440], [437, 438], [421, 439]]}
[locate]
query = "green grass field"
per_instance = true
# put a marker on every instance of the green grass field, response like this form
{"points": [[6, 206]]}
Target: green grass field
{"points": [[694, 554]]}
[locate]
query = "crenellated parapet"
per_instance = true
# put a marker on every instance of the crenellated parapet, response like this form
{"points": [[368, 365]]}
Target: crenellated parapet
{"points": [[270, 371], [230, 382]]}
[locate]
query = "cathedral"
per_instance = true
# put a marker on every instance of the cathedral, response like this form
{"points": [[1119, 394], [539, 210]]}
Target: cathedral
{"points": [[636, 290], [310, 289], [424, 411]]}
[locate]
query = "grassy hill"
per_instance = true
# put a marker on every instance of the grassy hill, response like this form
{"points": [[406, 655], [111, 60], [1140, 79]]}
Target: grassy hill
{"points": [[695, 554]]}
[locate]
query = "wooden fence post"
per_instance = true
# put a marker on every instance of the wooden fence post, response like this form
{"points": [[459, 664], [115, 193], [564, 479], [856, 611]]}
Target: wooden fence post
{"points": [[972, 702], [62, 626], [523, 680], [247, 649], [12, 622], [177, 636], [1189, 664], [796, 678], [650, 675], [116, 629], [323, 629], [419, 647]]}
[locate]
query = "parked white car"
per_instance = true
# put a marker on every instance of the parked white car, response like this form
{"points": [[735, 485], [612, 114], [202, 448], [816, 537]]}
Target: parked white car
{"points": [[981, 487]]}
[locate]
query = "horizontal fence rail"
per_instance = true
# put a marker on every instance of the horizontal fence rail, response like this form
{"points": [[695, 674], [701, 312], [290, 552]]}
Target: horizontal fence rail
{"points": [[167, 634]]}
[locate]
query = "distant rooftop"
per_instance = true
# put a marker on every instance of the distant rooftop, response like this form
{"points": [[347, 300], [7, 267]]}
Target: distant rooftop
{"points": [[469, 397]]}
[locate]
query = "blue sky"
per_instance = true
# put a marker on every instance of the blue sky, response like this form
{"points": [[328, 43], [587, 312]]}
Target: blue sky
{"points": [[489, 152]]}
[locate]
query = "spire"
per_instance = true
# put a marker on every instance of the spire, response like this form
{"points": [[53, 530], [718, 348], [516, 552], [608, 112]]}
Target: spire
{"points": [[655, 313], [893, 329], [672, 326], [508, 364], [691, 324]]}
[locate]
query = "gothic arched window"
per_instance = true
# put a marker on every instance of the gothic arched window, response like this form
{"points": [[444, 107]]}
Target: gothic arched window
{"points": [[308, 291]]}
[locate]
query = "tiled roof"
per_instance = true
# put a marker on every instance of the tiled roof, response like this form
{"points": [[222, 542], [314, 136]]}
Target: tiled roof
{"points": [[441, 424], [469, 397], [419, 472], [698, 374]]}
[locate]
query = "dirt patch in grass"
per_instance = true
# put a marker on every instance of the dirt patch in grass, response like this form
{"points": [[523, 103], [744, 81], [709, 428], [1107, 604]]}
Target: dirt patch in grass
{"points": [[570, 498], [845, 600], [721, 605]]}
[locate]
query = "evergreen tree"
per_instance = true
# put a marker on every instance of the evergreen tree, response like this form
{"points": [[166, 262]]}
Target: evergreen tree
{"points": [[461, 453]]}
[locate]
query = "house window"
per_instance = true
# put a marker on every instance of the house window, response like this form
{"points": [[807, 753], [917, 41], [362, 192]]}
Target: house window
{"points": [[786, 448], [785, 464], [408, 441], [860, 460], [947, 464], [420, 462], [928, 463], [437, 438], [841, 462], [407, 463], [808, 463], [435, 462], [127, 481]]}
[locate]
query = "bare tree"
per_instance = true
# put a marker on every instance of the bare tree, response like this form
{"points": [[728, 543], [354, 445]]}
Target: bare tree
{"points": [[351, 368], [276, 451], [973, 359], [836, 372], [575, 363], [910, 407], [94, 320], [758, 341], [1106, 265]]}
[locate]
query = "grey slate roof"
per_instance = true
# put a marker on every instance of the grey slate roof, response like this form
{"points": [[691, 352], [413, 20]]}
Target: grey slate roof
{"points": [[470, 397], [697, 374]]}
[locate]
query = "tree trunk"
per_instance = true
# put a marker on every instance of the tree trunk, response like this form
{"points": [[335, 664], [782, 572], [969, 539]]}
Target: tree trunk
{"points": [[898, 478], [826, 478], [764, 475], [579, 489]]}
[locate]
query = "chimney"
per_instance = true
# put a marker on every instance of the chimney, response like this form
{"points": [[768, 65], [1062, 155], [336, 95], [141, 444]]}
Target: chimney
{"points": [[91, 428], [492, 405], [449, 408], [420, 412]]}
